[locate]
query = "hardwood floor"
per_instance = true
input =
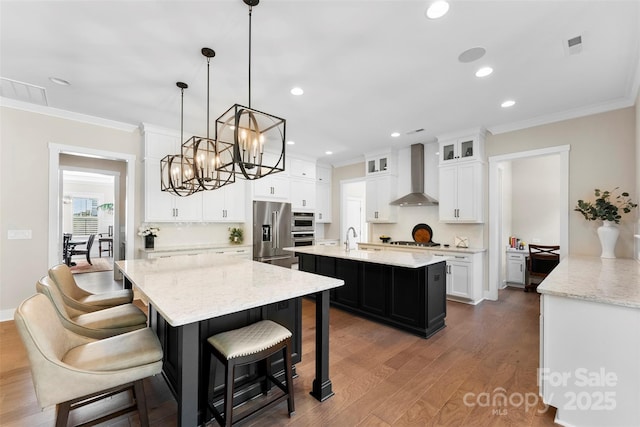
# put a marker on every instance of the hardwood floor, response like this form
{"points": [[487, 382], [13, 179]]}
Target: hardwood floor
{"points": [[478, 371]]}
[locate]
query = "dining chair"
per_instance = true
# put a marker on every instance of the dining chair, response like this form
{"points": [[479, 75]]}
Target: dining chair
{"points": [[70, 370], [96, 324], [86, 251], [76, 297], [108, 239], [541, 261], [66, 258]]}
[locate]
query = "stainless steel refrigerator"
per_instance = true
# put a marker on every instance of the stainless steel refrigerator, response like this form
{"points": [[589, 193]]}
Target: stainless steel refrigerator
{"points": [[272, 232]]}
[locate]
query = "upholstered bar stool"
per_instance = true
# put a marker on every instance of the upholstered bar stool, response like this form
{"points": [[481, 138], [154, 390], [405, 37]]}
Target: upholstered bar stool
{"points": [[97, 324], [79, 299], [71, 370], [251, 344]]}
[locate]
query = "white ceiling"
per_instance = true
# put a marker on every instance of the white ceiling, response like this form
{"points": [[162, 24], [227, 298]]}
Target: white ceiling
{"points": [[368, 68]]}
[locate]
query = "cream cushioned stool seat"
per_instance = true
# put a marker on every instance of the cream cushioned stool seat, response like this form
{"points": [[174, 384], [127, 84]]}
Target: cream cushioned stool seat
{"points": [[68, 368], [76, 297], [98, 324], [251, 344]]}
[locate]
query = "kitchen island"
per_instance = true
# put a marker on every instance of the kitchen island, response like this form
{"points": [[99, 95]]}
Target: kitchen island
{"points": [[590, 341], [194, 297], [401, 289]]}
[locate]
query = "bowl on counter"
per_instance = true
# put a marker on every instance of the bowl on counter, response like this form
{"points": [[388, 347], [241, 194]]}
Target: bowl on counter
{"points": [[385, 239]]}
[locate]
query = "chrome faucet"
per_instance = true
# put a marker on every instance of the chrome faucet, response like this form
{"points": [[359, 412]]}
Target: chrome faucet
{"points": [[346, 240]]}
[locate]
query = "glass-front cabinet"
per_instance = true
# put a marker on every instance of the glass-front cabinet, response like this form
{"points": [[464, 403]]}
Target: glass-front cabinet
{"points": [[380, 163], [461, 149]]}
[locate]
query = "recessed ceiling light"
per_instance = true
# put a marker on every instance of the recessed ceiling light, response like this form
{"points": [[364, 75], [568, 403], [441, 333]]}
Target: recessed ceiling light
{"points": [[297, 91], [472, 54], [395, 134], [291, 143], [437, 9], [59, 81], [484, 72], [508, 103], [328, 153]]}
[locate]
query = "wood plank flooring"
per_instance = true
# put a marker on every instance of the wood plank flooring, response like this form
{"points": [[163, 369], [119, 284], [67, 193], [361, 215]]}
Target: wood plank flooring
{"points": [[478, 371]]}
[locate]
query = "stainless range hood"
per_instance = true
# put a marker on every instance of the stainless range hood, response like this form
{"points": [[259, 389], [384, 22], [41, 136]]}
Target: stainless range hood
{"points": [[417, 197]]}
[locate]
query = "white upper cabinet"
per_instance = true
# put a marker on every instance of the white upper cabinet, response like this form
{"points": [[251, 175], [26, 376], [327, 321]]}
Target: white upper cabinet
{"points": [[272, 187], [381, 163], [461, 196], [303, 195], [455, 149], [381, 191], [226, 204], [161, 206], [323, 194], [302, 169]]}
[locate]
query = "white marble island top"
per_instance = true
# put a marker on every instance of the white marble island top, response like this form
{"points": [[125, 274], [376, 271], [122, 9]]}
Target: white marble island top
{"points": [[390, 257], [608, 281], [187, 289]]}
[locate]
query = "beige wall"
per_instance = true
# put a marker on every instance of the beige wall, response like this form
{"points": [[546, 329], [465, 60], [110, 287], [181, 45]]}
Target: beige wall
{"points": [[353, 171], [602, 156], [24, 190]]}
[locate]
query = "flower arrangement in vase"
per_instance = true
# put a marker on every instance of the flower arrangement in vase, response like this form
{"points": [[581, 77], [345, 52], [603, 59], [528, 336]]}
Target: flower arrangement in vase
{"points": [[149, 233], [607, 210]]}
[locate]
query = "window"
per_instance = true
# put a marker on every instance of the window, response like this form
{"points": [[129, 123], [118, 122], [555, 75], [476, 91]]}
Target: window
{"points": [[85, 216]]}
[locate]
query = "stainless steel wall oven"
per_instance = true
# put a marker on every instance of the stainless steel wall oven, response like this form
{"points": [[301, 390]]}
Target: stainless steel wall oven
{"points": [[303, 221]]}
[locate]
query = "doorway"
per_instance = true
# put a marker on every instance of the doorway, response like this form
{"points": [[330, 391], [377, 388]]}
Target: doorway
{"points": [[352, 210], [496, 209], [124, 196]]}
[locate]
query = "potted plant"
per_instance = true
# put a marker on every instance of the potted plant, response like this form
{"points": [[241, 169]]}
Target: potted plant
{"points": [[607, 208], [149, 233], [235, 235]]}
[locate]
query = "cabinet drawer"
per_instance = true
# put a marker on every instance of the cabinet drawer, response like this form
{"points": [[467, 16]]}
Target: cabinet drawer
{"points": [[460, 258], [519, 257]]}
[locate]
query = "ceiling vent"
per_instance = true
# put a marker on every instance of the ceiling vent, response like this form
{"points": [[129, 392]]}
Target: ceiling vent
{"points": [[573, 46], [22, 91]]}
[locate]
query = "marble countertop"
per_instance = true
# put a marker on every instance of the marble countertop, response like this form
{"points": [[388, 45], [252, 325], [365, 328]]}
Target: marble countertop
{"points": [[187, 289], [607, 281], [389, 246], [199, 247], [399, 259]]}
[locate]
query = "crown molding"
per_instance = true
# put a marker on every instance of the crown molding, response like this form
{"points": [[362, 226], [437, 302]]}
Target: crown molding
{"points": [[64, 114], [563, 115]]}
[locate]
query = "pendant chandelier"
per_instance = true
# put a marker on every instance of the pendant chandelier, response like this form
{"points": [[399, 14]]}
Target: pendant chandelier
{"points": [[176, 170], [206, 155], [257, 138]]}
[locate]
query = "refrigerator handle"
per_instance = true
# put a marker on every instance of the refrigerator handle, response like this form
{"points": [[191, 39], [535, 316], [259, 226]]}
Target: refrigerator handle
{"points": [[276, 229]]}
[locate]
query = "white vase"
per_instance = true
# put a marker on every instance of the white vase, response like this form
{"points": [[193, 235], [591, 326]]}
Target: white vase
{"points": [[608, 233]]}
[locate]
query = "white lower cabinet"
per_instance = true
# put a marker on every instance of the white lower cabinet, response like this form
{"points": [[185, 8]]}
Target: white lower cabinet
{"points": [[516, 268], [465, 277]]}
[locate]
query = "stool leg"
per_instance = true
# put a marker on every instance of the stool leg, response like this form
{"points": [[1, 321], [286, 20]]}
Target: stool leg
{"points": [[141, 403], [265, 367], [62, 413], [289, 378], [228, 392]]}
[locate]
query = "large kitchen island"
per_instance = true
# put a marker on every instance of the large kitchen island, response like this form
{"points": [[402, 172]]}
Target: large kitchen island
{"points": [[194, 297], [401, 289]]}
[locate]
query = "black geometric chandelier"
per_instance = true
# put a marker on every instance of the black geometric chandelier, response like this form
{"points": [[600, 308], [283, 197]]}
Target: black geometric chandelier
{"points": [[205, 154], [257, 138], [177, 170]]}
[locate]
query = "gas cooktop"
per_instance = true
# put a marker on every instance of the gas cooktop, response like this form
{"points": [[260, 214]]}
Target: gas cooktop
{"points": [[426, 244]]}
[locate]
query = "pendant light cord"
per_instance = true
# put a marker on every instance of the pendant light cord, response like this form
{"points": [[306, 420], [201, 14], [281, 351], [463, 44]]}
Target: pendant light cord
{"points": [[208, 61], [250, 10]]}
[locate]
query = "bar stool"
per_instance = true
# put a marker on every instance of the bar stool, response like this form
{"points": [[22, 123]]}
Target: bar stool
{"points": [[251, 344]]}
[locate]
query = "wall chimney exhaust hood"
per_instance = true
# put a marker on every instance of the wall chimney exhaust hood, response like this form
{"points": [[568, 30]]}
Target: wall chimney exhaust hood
{"points": [[417, 197]]}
